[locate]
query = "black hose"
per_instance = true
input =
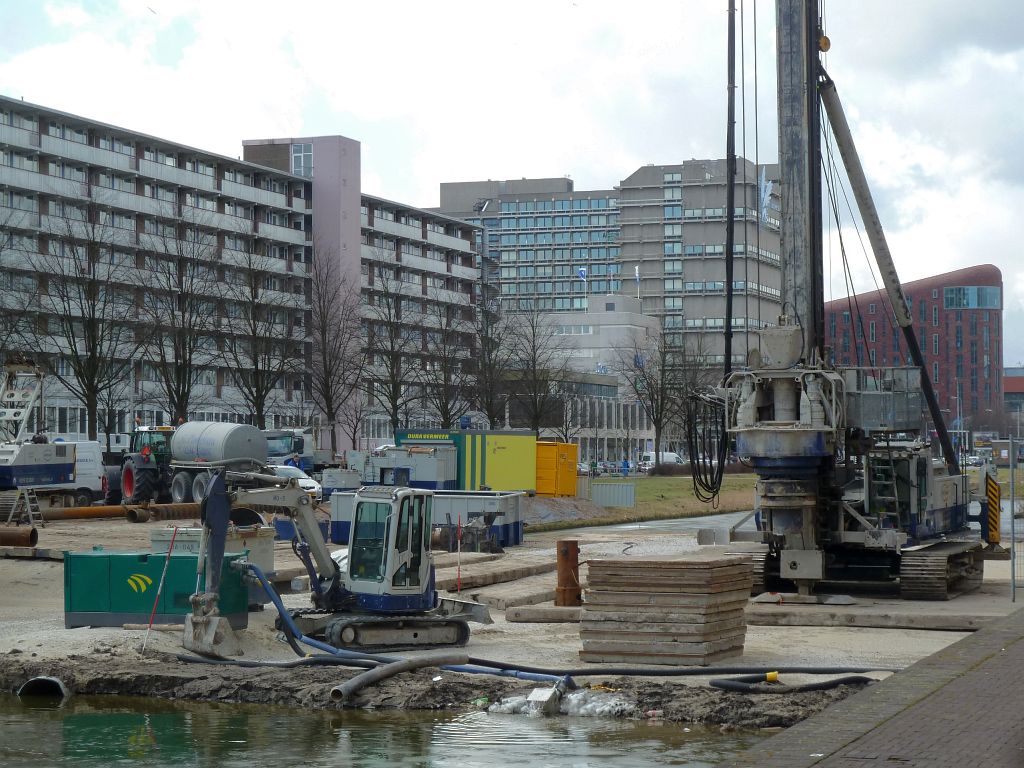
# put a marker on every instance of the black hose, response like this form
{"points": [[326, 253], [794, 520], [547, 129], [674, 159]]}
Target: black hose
{"points": [[672, 671], [758, 684], [320, 660]]}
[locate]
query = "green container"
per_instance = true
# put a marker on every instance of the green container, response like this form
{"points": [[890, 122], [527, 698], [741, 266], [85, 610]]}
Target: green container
{"points": [[108, 589]]}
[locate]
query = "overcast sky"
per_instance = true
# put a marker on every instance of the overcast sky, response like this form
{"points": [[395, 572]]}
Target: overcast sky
{"points": [[460, 90]]}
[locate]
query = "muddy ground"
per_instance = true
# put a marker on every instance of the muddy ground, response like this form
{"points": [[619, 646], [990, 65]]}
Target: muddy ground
{"points": [[34, 642], [109, 669]]}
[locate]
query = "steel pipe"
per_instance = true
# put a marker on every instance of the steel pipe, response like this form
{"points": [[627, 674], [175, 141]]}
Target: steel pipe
{"points": [[19, 537], [81, 513]]}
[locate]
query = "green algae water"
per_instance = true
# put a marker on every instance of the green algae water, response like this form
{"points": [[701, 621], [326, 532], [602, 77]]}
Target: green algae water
{"points": [[116, 731]]}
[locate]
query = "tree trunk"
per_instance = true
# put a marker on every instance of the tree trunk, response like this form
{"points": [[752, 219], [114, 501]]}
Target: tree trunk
{"points": [[91, 408]]}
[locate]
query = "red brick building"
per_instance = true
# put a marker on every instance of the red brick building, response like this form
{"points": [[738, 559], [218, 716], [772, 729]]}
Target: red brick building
{"points": [[958, 321]]}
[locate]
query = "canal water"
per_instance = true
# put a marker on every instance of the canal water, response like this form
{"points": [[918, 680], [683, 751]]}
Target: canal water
{"points": [[117, 730]]}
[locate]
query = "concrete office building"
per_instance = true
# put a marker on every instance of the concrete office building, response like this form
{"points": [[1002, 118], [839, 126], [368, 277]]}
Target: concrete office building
{"points": [[672, 223], [663, 223], [74, 188], [607, 421], [958, 321], [547, 247]]}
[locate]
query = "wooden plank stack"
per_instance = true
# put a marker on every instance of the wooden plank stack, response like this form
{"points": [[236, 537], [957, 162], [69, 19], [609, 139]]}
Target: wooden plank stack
{"points": [[680, 611]]}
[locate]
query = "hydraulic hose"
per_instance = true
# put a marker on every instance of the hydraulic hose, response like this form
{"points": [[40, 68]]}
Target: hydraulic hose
{"points": [[294, 636], [292, 632], [325, 660], [767, 683]]}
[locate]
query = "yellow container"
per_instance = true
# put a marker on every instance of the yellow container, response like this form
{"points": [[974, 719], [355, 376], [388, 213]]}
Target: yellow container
{"points": [[556, 469]]}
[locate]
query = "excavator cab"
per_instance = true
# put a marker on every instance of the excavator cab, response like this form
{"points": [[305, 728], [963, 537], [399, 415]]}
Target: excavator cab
{"points": [[389, 563]]}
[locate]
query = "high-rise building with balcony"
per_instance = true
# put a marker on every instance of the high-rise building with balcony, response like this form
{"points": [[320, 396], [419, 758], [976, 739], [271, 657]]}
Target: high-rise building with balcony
{"points": [[114, 241]]}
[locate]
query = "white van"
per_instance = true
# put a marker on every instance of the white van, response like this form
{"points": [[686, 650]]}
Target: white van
{"points": [[87, 486], [664, 457]]}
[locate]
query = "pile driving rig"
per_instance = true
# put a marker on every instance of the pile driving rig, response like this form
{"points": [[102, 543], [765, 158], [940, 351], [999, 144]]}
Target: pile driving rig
{"points": [[847, 488]]}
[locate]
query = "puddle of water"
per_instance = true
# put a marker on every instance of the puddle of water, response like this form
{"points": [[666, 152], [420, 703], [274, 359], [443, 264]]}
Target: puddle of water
{"points": [[113, 731]]}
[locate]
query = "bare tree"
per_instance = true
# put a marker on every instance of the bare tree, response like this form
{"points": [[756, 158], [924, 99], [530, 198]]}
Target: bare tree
{"points": [[661, 371], [337, 339], [538, 367], [490, 370], [180, 312], [569, 426], [351, 416], [264, 346], [448, 343], [18, 287], [394, 343], [86, 290]]}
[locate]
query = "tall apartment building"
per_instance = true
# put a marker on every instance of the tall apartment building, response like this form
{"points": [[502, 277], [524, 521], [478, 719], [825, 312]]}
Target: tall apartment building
{"points": [[415, 269], [958, 321], [673, 229], [145, 214]]}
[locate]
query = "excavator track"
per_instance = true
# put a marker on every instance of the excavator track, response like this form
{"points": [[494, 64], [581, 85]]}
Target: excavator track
{"points": [[940, 571], [396, 632]]}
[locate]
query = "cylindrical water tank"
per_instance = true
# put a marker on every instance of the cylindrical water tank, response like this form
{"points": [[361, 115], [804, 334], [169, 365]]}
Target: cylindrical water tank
{"points": [[218, 441]]}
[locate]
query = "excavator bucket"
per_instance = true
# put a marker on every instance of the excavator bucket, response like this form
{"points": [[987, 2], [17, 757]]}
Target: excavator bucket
{"points": [[208, 633]]}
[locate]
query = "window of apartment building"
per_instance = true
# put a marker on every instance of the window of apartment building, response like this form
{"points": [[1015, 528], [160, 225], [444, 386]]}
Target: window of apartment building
{"points": [[17, 160], [935, 373], [672, 177], [693, 287], [302, 160], [66, 171], [959, 337], [673, 193], [871, 309], [64, 210], [674, 284], [673, 303], [673, 267], [935, 343], [693, 213], [871, 332], [715, 322], [694, 322], [673, 230], [935, 293], [673, 211], [935, 314]]}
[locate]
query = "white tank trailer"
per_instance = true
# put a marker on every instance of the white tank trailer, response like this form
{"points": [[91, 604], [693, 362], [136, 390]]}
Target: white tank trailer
{"points": [[218, 441], [196, 446]]}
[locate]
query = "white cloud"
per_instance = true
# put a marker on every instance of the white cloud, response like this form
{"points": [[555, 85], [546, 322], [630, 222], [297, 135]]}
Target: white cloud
{"points": [[587, 88]]}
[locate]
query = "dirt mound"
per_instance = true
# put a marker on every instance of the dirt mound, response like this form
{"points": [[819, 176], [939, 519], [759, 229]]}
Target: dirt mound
{"points": [[122, 671], [536, 509]]}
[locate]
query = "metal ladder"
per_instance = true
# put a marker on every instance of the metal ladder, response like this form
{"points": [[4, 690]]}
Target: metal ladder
{"points": [[884, 491], [21, 506]]}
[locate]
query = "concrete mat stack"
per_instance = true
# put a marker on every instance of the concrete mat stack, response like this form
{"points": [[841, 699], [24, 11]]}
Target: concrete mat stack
{"points": [[647, 610]]}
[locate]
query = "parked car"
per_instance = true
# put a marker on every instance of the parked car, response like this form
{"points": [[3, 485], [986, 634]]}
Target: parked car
{"points": [[582, 468], [975, 461], [305, 482]]}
